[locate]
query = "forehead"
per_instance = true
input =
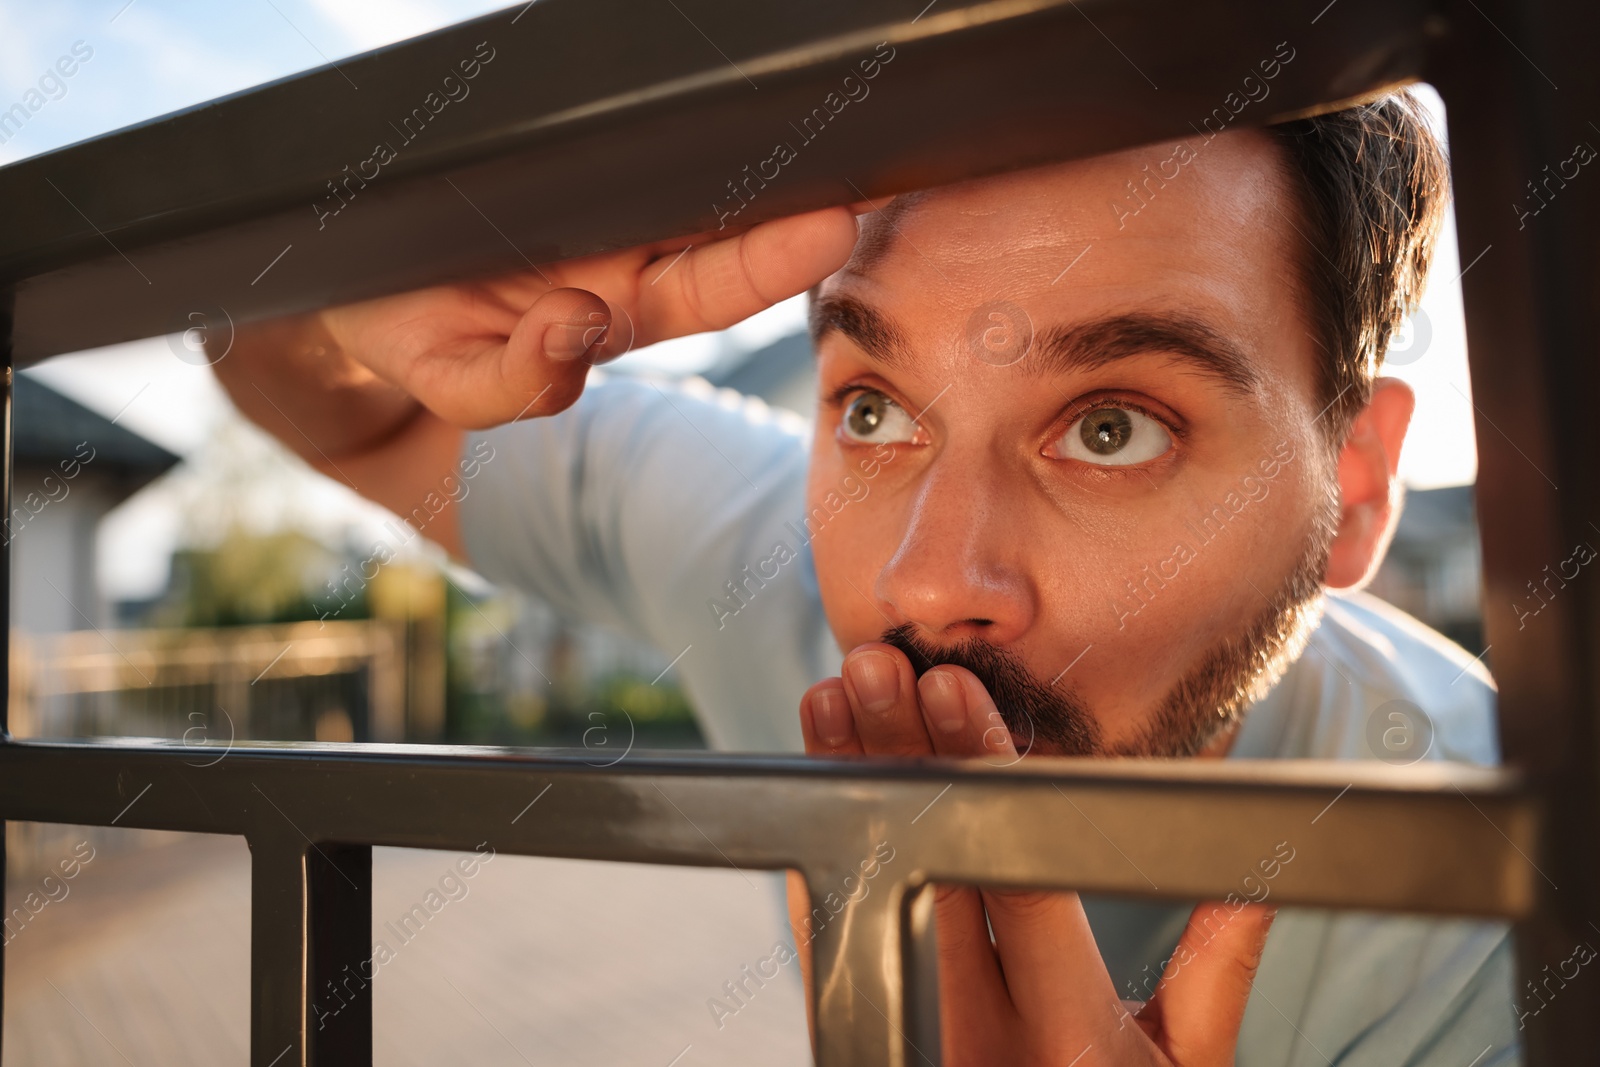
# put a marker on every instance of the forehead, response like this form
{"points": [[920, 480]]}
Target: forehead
{"points": [[1203, 228]]}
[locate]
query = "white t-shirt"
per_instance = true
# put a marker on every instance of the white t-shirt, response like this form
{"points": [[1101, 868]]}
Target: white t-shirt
{"points": [[673, 512]]}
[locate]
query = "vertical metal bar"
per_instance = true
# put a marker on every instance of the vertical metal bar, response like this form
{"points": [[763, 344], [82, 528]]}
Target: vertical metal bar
{"points": [[6, 298], [1523, 91], [278, 940], [310, 931], [856, 974], [920, 972], [339, 1014]]}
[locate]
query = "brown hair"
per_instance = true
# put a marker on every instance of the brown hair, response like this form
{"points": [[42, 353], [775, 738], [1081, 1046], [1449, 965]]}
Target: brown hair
{"points": [[1373, 183]]}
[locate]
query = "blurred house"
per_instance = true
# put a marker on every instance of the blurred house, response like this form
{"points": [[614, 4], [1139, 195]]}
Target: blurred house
{"points": [[782, 373], [1434, 569], [71, 466], [235, 648]]}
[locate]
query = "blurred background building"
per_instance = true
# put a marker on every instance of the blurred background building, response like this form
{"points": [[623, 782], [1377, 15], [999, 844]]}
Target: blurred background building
{"points": [[1434, 569]]}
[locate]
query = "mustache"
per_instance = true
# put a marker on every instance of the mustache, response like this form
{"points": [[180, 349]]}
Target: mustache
{"points": [[1046, 714], [1213, 694]]}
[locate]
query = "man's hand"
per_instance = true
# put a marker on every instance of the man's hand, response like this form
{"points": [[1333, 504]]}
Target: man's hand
{"points": [[483, 353], [1038, 993], [377, 394]]}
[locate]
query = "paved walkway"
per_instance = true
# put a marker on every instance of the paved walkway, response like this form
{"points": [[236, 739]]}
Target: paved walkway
{"points": [[529, 962]]}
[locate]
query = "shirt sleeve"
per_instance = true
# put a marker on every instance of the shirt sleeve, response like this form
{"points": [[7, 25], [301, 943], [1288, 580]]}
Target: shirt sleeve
{"points": [[610, 509], [671, 512]]}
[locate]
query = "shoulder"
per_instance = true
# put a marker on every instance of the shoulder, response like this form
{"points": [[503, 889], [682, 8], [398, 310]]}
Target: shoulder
{"points": [[1384, 643], [632, 451], [693, 399], [622, 412], [1389, 989], [678, 508], [644, 496], [1372, 675]]}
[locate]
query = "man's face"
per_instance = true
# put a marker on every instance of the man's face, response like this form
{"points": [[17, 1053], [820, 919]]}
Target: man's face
{"points": [[1086, 461]]}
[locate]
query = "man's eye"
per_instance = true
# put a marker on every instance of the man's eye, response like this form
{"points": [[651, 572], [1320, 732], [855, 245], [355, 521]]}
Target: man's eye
{"points": [[1114, 437], [872, 418]]}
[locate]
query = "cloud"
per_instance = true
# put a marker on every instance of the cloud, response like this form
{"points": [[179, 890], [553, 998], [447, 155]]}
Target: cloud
{"points": [[369, 24]]}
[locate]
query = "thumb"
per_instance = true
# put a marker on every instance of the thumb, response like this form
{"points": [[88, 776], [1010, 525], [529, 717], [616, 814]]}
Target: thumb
{"points": [[545, 363], [1199, 1005], [540, 368], [571, 327]]}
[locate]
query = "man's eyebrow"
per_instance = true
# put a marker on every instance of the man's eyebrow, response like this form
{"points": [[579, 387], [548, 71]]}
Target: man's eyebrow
{"points": [[865, 326], [1097, 343], [1063, 349]]}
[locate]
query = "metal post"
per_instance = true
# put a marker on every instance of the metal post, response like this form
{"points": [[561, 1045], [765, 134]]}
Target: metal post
{"points": [[5, 587], [920, 972], [310, 932], [278, 909], [859, 978], [1522, 91], [339, 936]]}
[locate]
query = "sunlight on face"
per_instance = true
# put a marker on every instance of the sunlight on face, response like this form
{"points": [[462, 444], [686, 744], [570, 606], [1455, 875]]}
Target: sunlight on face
{"points": [[1096, 461]]}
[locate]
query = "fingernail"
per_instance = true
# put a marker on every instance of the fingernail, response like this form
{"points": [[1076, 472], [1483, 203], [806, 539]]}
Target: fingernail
{"points": [[943, 700], [876, 679], [830, 716], [567, 341]]}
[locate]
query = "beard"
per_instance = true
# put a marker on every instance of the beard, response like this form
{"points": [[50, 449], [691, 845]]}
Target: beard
{"points": [[1209, 698]]}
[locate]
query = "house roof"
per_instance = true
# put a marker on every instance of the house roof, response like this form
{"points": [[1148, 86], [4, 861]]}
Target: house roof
{"points": [[48, 428]]}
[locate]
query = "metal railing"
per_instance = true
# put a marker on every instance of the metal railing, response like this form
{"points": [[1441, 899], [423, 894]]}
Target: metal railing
{"points": [[215, 683], [623, 116]]}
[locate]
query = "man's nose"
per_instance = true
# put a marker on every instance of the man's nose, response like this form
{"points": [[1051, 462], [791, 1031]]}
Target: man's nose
{"points": [[961, 568]]}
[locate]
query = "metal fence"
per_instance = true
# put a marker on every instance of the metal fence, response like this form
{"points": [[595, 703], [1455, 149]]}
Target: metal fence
{"points": [[207, 689], [329, 680], [633, 139]]}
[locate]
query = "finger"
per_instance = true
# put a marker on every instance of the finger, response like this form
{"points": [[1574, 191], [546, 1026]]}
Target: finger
{"points": [[882, 689], [961, 720], [1203, 992], [961, 717], [713, 286], [538, 369], [799, 903], [572, 326], [828, 727], [974, 1005], [671, 246], [1052, 965], [826, 721]]}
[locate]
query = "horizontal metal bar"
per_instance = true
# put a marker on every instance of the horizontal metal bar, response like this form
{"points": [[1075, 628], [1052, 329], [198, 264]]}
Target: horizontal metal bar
{"points": [[1442, 839], [277, 199]]}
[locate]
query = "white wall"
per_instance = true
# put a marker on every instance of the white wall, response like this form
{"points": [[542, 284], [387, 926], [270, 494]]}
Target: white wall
{"points": [[52, 553]]}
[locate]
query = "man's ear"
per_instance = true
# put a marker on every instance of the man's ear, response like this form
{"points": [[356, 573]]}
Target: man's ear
{"points": [[1369, 491]]}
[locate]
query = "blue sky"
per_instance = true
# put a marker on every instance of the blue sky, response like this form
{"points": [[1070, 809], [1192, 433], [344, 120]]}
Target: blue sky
{"points": [[156, 56], [151, 57]]}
